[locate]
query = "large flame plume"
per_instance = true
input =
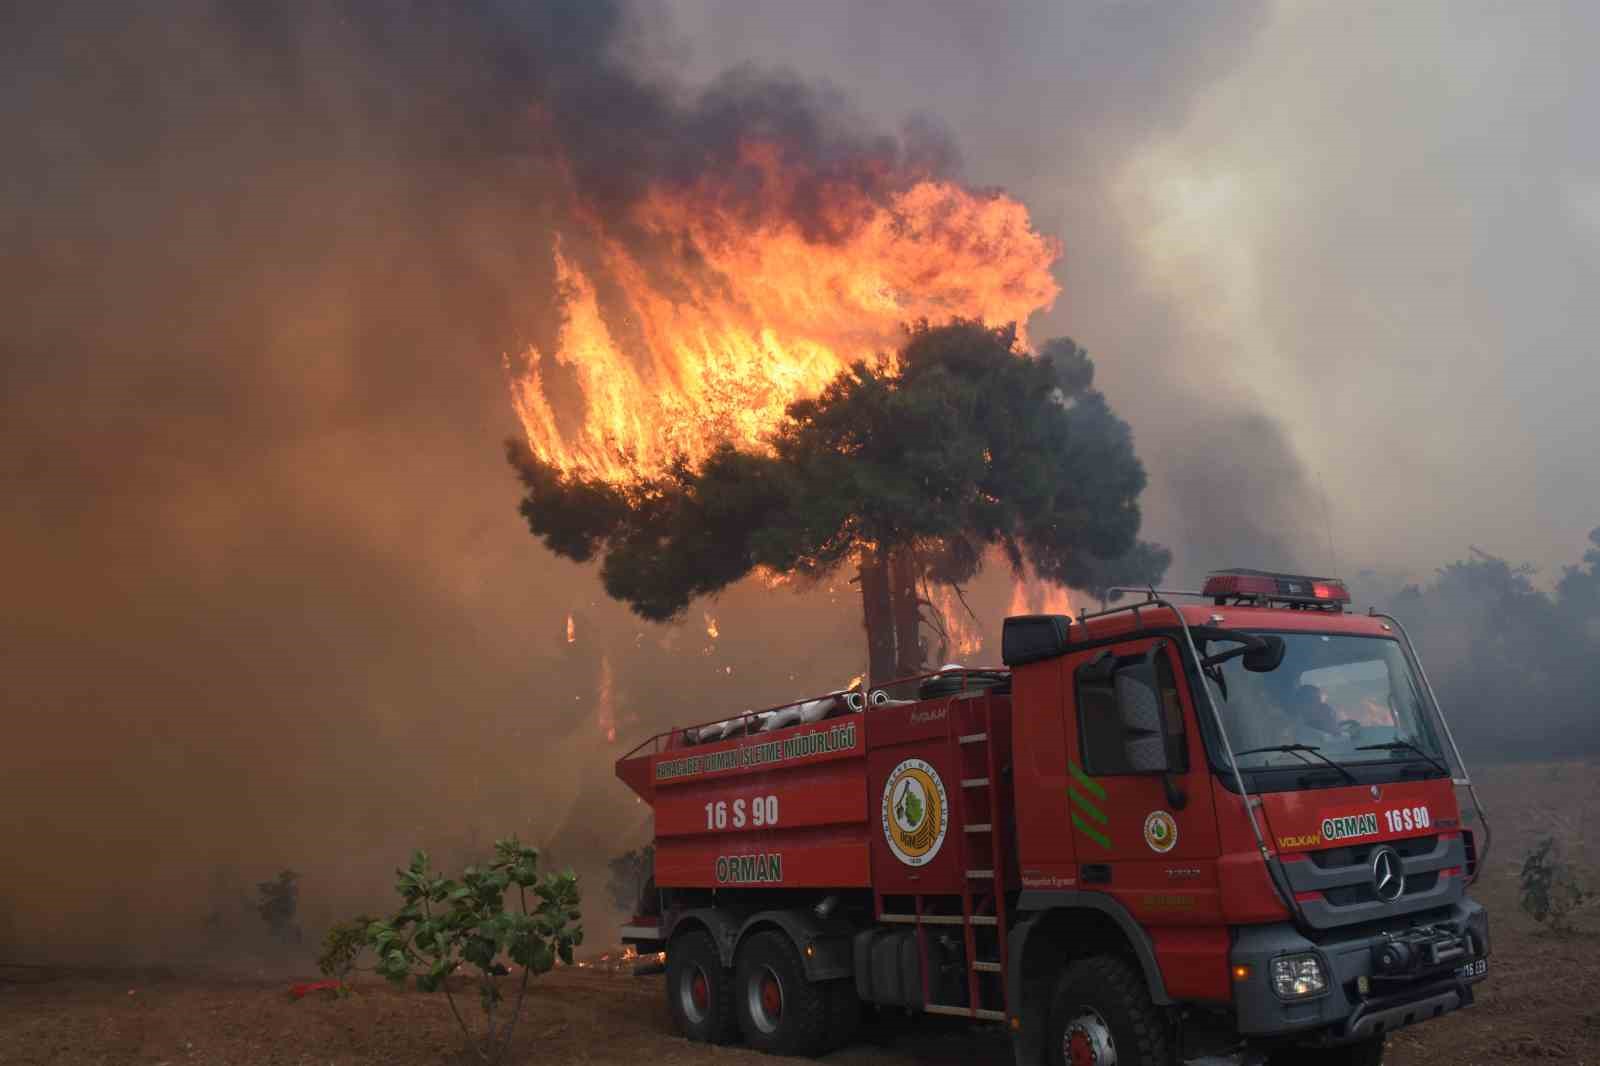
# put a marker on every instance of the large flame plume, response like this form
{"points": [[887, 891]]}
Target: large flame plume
{"points": [[1031, 595], [700, 315]]}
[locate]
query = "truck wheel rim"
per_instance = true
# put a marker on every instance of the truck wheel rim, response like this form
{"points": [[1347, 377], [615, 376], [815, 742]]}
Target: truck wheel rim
{"points": [[1087, 1041], [766, 1000], [695, 994]]}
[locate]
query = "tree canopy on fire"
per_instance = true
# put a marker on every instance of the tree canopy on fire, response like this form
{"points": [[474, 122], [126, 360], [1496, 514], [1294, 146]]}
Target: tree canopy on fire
{"points": [[912, 468]]}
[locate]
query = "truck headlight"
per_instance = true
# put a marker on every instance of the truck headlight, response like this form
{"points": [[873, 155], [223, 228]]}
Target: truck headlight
{"points": [[1298, 976]]}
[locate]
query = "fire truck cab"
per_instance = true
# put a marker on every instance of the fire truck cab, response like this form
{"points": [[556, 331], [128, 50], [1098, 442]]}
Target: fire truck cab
{"points": [[1224, 830]]}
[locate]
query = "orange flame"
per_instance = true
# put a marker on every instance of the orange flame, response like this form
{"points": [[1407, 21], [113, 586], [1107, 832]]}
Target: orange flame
{"points": [[710, 340], [572, 631], [711, 626], [1019, 598], [959, 625], [605, 711], [1030, 595]]}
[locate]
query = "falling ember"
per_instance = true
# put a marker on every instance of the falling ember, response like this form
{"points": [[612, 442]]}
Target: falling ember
{"points": [[736, 312], [572, 631], [605, 708], [773, 579], [711, 626]]}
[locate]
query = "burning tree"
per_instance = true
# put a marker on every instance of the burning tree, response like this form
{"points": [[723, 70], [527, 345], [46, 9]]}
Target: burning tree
{"points": [[909, 468]]}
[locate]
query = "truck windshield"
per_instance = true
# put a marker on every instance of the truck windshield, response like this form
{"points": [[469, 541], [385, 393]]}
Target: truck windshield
{"points": [[1342, 694]]}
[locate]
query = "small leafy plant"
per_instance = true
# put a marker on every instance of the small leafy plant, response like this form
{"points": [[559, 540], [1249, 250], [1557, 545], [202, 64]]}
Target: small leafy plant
{"points": [[1550, 890], [445, 924], [341, 950]]}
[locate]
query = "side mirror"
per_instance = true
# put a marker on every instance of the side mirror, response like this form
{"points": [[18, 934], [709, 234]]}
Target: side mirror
{"points": [[1139, 707], [1266, 656]]}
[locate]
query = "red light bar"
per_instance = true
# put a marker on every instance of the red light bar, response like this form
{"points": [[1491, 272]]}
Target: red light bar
{"points": [[1331, 591], [1276, 588]]}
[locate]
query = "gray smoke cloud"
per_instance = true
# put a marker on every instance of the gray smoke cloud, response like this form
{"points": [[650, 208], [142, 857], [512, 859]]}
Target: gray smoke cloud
{"points": [[1321, 254], [270, 603]]}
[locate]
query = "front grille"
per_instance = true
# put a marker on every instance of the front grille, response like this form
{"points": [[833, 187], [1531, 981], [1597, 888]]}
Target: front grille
{"points": [[1361, 854], [1335, 884], [1348, 895]]}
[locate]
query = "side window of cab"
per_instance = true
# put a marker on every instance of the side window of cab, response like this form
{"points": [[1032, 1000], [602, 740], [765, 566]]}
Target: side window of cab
{"points": [[1130, 717]]}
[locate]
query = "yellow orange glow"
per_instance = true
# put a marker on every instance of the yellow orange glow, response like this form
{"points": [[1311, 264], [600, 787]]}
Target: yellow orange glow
{"points": [[572, 631], [1032, 595], [711, 626], [676, 351], [605, 711], [959, 624]]}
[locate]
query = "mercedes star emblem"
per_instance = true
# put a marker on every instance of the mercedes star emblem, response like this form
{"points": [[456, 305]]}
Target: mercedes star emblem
{"points": [[1388, 875]]}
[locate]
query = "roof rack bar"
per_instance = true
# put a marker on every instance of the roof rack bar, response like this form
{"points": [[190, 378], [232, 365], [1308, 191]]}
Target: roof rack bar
{"points": [[1150, 593], [657, 743]]}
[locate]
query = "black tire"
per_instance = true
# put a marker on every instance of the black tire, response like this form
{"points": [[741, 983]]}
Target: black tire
{"points": [[1105, 998], [780, 1011], [1366, 1053], [700, 989], [844, 1012]]}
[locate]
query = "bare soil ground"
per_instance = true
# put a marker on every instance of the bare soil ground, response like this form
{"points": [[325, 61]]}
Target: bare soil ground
{"points": [[1542, 1001]]}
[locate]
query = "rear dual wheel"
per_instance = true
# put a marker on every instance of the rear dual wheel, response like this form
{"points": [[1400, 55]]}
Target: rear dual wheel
{"points": [[780, 1010], [700, 990]]}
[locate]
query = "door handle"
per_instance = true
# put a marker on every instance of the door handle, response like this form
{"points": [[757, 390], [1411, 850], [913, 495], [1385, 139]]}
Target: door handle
{"points": [[1096, 873]]}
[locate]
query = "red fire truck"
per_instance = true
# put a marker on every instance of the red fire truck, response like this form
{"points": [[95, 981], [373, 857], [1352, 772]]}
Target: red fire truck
{"points": [[1214, 826]]}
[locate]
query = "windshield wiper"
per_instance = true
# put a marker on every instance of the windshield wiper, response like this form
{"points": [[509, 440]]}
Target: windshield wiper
{"points": [[1302, 750], [1406, 745]]}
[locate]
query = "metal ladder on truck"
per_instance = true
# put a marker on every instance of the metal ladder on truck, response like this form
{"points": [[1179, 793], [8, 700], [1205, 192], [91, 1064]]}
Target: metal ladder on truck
{"points": [[969, 728]]}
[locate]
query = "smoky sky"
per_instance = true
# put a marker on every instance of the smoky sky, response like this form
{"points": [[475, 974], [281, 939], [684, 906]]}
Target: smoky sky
{"points": [[268, 599], [1353, 239]]}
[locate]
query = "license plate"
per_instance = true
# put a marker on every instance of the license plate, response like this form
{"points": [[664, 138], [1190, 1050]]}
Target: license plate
{"points": [[1475, 968]]}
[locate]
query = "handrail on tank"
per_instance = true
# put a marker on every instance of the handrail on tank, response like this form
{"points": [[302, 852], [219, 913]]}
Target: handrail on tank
{"points": [[653, 742], [1438, 711], [1154, 597]]}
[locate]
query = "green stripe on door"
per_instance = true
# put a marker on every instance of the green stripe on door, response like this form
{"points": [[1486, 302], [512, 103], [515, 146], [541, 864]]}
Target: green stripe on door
{"points": [[1088, 808], [1090, 785], [1092, 834]]}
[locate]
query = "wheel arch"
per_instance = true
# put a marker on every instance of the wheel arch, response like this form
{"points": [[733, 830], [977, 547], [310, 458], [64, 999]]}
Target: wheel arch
{"points": [[1058, 927], [723, 927], [824, 945]]}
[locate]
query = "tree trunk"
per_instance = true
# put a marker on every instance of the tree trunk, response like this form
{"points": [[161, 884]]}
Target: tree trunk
{"points": [[908, 660], [878, 616]]}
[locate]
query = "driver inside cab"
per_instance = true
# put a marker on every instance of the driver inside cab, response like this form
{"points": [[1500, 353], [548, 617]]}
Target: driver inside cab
{"points": [[1310, 707]]}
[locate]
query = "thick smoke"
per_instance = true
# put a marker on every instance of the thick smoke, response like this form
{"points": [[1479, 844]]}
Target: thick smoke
{"points": [[270, 603]]}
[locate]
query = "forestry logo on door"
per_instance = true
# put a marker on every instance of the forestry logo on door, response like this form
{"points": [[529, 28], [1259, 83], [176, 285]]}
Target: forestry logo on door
{"points": [[1161, 832], [916, 812]]}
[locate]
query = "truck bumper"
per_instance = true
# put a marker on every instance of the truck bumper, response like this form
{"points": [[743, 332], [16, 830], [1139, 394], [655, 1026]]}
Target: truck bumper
{"points": [[1360, 1001]]}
